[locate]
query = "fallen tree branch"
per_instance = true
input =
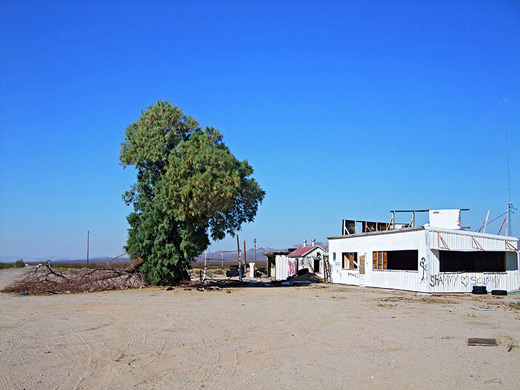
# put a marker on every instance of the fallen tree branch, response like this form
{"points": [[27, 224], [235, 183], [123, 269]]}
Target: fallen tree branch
{"points": [[42, 279], [136, 264]]}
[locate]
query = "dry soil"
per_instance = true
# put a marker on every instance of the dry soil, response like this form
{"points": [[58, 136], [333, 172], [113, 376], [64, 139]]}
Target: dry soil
{"points": [[312, 337]]}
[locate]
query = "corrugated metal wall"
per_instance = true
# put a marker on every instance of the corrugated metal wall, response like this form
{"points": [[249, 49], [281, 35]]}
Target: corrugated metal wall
{"points": [[462, 240], [428, 278], [400, 280], [282, 267], [464, 281], [364, 245]]}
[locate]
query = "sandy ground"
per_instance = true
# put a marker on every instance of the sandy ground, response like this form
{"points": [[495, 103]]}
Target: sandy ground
{"points": [[331, 337]]}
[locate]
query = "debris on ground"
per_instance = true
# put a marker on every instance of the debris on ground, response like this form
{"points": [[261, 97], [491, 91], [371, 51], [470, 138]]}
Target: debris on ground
{"points": [[43, 279], [483, 308], [387, 304], [480, 342], [451, 295], [306, 277], [396, 299]]}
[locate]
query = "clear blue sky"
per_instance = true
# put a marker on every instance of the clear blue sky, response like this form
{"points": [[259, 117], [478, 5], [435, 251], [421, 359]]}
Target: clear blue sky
{"points": [[344, 109]]}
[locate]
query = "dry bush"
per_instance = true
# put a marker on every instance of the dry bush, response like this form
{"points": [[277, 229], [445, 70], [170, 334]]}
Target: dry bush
{"points": [[42, 279]]}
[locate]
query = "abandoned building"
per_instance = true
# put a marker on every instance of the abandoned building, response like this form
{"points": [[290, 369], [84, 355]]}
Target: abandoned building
{"points": [[437, 257], [288, 263]]}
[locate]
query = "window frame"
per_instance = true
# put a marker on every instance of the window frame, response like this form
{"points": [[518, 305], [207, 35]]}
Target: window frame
{"points": [[387, 260], [380, 260], [353, 263]]}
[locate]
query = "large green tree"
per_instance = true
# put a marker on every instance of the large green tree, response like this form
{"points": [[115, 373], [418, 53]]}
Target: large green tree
{"points": [[189, 188]]}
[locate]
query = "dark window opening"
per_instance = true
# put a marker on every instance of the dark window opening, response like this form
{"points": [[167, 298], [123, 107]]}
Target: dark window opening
{"points": [[452, 261], [349, 260], [407, 260]]}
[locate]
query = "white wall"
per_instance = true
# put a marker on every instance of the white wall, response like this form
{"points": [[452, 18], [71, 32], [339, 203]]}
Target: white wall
{"points": [[364, 245], [283, 264], [283, 267], [428, 277]]}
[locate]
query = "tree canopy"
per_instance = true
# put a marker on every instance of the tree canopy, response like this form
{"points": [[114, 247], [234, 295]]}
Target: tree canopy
{"points": [[189, 188]]}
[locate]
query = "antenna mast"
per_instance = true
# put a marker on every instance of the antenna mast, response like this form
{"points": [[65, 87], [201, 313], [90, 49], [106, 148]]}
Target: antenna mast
{"points": [[509, 204]]}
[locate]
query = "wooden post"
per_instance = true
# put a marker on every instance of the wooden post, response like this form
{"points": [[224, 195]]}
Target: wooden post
{"points": [[309, 262], [88, 239], [239, 261], [325, 269], [238, 252], [205, 264]]}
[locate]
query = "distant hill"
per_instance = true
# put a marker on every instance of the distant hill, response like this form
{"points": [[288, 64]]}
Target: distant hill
{"points": [[232, 255], [94, 260], [250, 254], [221, 255]]}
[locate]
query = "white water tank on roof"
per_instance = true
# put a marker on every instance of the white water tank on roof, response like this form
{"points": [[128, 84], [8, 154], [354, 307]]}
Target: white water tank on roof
{"points": [[447, 219]]}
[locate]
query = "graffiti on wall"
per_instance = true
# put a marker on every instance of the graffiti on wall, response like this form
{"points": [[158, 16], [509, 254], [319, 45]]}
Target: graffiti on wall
{"points": [[292, 267], [451, 280], [423, 264], [353, 274]]}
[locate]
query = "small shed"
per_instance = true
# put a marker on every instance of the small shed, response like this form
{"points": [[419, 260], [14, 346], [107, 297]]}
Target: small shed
{"points": [[310, 257], [429, 258], [273, 258], [288, 263]]}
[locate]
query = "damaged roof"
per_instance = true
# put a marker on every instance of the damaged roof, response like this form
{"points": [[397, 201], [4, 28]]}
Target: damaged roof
{"points": [[302, 251]]}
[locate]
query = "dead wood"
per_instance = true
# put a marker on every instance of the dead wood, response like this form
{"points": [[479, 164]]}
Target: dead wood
{"points": [[136, 264], [43, 279]]}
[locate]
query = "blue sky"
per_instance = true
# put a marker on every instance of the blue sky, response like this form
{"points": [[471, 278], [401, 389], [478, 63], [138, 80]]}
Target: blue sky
{"points": [[344, 110]]}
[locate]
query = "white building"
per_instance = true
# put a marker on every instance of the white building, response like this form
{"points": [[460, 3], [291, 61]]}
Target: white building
{"points": [[431, 258], [306, 256]]}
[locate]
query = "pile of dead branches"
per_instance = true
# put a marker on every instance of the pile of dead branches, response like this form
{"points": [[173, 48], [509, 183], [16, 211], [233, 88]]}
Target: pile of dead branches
{"points": [[43, 279]]}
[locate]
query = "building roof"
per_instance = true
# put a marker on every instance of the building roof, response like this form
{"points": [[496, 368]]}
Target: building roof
{"points": [[303, 250], [274, 253], [366, 234], [428, 228]]}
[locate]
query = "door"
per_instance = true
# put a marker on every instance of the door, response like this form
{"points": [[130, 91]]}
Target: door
{"points": [[362, 259]]}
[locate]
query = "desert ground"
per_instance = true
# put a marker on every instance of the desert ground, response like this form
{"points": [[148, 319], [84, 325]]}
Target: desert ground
{"points": [[312, 337]]}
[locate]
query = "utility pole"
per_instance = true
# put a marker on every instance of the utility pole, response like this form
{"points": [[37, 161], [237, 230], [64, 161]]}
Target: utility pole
{"points": [[239, 259], [254, 242], [88, 239]]}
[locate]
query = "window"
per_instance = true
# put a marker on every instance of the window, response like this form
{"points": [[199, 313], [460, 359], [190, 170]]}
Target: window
{"points": [[333, 255], [453, 261], [380, 260], [407, 260], [316, 265], [349, 260]]}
